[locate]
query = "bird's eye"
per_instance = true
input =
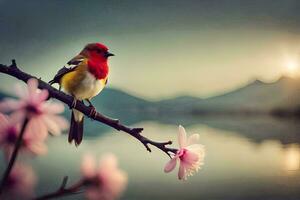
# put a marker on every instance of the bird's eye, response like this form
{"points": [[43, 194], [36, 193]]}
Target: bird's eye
{"points": [[99, 51]]}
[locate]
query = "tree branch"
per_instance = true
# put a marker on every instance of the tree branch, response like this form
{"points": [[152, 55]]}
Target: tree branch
{"points": [[14, 155], [63, 190], [14, 71]]}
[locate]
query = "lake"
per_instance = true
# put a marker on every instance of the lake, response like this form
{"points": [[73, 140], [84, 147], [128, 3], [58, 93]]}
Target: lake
{"points": [[246, 158], [242, 162]]}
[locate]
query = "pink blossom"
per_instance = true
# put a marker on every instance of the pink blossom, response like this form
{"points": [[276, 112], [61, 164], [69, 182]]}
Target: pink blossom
{"points": [[20, 183], [190, 155], [9, 132], [107, 181], [32, 103]]}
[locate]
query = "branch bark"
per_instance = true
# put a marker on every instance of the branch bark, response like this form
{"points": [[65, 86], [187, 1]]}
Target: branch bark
{"points": [[63, 190], [14, 71]]}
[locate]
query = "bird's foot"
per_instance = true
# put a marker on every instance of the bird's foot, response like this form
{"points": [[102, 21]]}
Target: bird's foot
{"points": [[93, 113], [90, 103], [74, 102]]}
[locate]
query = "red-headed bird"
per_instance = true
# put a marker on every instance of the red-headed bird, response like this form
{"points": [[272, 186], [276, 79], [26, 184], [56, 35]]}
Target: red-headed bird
{"points": [[84, 79]]}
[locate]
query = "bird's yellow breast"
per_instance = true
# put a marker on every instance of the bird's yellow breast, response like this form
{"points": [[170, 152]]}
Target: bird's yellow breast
{"points": [[81, 84]]}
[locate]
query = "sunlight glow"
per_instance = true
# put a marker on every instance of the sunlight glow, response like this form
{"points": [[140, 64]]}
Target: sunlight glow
{"points": [[292, 67], [292, 159]]}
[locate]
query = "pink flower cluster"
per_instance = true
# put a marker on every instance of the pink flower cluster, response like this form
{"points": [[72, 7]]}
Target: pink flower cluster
{"points": [[190, 155], [107, 181], [9, 133], [20, 184], [32, 103], [42, 117]]}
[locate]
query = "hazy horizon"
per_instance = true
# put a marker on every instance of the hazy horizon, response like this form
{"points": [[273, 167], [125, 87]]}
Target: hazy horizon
{"points": [[9, 91]]}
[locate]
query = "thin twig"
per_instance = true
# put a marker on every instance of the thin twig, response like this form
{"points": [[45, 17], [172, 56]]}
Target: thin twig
{"points": [[14, 71], [63, 191], [64, 182], [14, 155]]}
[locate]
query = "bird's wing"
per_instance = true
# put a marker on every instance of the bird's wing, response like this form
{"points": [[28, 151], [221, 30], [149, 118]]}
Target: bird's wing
{"points": [[74, 62]]}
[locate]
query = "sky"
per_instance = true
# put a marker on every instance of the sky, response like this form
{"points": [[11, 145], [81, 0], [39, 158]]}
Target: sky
{"points": [[163, 48]]}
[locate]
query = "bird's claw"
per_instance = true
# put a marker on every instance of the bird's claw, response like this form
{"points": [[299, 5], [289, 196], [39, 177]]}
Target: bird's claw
{"points": [[73, 105], [93, 112]]}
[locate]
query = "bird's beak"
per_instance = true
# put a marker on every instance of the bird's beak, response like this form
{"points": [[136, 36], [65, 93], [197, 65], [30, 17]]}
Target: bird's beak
{"points": [[108, 54]]}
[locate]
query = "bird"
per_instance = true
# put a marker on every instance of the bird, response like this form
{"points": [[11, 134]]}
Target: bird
{"points": [[84, 78]]}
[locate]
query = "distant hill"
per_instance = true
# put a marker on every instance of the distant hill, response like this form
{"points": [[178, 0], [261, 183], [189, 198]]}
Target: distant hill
{"points": [[255, 97], [124, 106], [259, 96], [181, 104], [113, 100]]}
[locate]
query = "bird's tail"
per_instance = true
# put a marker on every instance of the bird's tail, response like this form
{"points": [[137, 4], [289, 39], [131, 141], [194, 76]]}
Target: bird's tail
{"points": [[76, 127]]}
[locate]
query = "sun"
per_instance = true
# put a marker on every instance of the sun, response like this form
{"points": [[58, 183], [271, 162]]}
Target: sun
{"points": [[292, 67]]}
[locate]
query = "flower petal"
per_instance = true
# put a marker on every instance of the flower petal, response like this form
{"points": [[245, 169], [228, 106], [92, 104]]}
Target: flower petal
{"points": [[51, 125], [170, 165], [61, 122], [17, 117], [43, 129], [112, 178], [32, 86], [94, 193], [181, 172], [55, 124], [38, 148], [37, 129], [42, 95], [53, 107], [197, 148], [108, 161], [24, 182], [182, 137], [88, 166], [3, 121], [192, 160], [9, 104]]}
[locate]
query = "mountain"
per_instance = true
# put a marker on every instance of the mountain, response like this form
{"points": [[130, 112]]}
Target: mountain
{"points": [[292, 88], [113, 100], [124, 106], [259, 95], [181, 104], [255, 97]]}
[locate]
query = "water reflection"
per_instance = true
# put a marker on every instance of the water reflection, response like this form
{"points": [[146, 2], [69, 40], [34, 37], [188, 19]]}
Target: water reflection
{"points": [[235, 167], [292, 158]]}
